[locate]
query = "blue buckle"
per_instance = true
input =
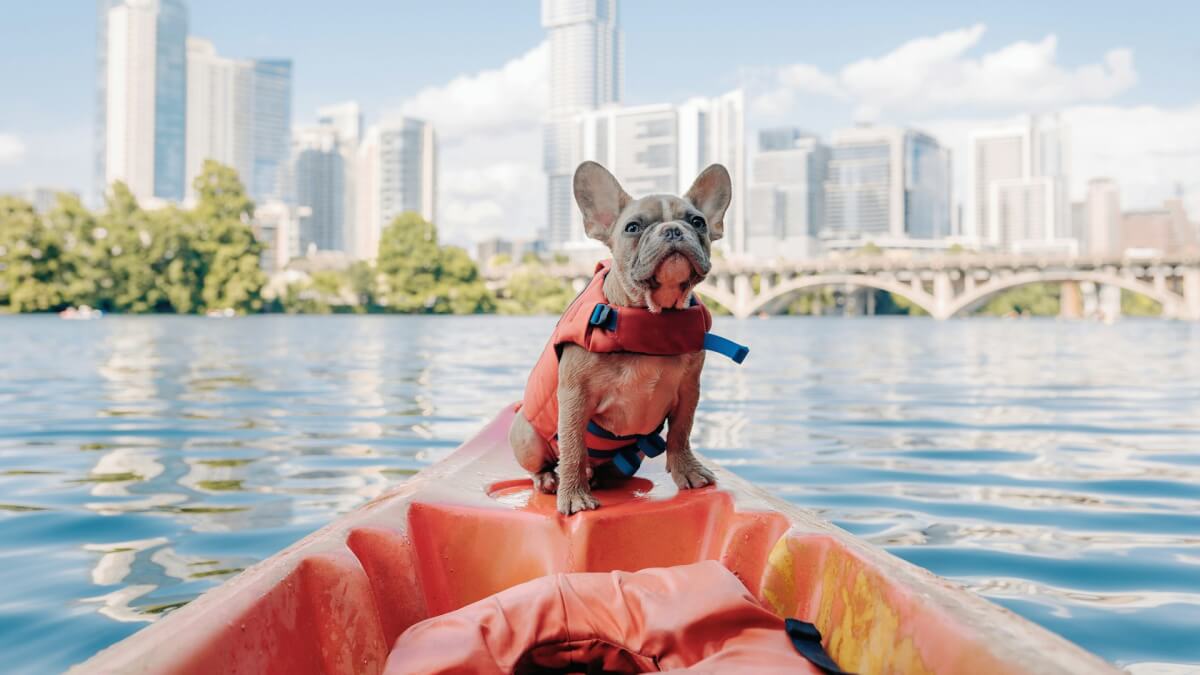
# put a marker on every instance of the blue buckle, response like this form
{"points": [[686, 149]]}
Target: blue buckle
{"points": [[603, 316]]}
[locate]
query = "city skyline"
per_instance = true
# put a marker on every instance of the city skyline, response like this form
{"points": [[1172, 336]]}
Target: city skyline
{"points": [[1099, 77]]}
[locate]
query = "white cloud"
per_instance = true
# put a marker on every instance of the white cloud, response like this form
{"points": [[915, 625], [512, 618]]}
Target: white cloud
{"points": [[489, 137], [12, 149], [513, 96], [938, 72], [1147, 150]]}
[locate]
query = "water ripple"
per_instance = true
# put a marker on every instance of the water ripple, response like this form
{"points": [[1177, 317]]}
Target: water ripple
{"points": [[1049, 466]]}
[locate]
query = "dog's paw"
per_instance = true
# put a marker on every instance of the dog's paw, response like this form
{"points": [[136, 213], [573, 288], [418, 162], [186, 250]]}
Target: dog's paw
{"points": [[545, 482], [575, 501], [694, 475]]}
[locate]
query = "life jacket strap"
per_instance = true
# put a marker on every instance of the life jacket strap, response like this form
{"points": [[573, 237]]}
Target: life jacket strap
{"points": [[720, 345], [605, 317], [807, 640], [627, 458]]}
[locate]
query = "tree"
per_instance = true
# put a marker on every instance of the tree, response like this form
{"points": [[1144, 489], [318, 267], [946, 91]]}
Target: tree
{"points": [[30, 257], [532, 291], [460, 289], [78, 229], [232, 278], [416, 275]]}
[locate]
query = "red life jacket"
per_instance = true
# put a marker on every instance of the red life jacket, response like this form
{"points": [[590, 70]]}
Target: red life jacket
{"points": [[593, 324]]}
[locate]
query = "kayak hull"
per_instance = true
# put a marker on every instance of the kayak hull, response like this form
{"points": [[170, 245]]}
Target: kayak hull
{"points": [[471, 526]]}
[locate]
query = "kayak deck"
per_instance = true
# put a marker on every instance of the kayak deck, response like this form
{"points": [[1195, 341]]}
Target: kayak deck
{"points": [[471, 526]]}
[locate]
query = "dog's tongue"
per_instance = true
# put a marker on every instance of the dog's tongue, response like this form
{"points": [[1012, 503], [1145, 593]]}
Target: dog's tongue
{"points": [[672, 276]]}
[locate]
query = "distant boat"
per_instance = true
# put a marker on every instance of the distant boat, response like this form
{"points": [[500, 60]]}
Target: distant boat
{"points": [[226, 313], [80, 313]]}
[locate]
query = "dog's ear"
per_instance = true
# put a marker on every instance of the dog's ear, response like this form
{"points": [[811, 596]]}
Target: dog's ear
{"points": [[711, 193], [600, 198]]}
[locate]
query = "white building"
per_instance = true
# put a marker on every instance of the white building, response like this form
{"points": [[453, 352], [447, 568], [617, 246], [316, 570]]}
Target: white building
{"points": [[277, 227], [218, 112], [662, 148], [129, 138], [140, 95], [396, 171], [239, 113], [345, 118], [318, 170], [886, 183], [786, 202], [585, 74], [1101, 233], [1017, 187]]}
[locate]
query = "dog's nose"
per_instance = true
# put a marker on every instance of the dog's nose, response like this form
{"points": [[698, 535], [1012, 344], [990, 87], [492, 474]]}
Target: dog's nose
{"points": [[672, 233]]}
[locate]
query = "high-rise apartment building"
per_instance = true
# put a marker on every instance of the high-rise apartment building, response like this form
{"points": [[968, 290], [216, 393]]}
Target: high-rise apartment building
{"points": [[239, 113], [1101, 232], [319, 172], [218, 112], [662, 148], [713, 131], [585, 74], [270, 128], [141, 96], [886, 182], [1017, 186], [345, 118], [396, 172], [787, 200]]}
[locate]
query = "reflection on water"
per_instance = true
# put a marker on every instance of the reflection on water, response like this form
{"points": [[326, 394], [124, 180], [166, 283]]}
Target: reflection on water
{"points": [[1049, 466]]}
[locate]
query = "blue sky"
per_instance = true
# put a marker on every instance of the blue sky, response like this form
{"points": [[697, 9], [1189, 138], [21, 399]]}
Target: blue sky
{"points": [[796, 57]]}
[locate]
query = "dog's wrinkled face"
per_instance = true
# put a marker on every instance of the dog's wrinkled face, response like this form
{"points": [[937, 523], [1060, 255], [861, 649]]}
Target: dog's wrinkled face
{"points": [[660, 243]]}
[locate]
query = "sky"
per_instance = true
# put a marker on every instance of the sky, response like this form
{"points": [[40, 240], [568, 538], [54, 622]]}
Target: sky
{"points": [[1124, 76]]}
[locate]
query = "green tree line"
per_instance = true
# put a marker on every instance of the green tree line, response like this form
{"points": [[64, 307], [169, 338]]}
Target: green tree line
{"points": [[127, 259]]}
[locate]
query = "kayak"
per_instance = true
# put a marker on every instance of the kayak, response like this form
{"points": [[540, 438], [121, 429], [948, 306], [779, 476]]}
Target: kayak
{"points": [[468, 540]]}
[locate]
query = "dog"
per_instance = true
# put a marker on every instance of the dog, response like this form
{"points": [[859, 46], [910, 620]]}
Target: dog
{"points": [[661, 249]]}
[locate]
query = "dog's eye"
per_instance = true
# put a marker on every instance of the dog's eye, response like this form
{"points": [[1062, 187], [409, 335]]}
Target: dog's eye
{"points": [[698, 222], [633, 227]]}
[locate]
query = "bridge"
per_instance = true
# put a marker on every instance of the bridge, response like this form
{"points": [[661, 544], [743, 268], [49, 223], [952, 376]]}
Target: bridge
{"points": [[944, 286]]}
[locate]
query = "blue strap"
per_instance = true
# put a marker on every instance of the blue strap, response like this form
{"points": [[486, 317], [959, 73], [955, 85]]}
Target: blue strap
{"points": [[720, 345], [605, 316], [651, 445], [807, 641], [628, 459]]}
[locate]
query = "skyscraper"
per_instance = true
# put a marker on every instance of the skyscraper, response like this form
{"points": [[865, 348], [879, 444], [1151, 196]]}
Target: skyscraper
{"points": [[345, 118], [886, 182], [396, 172], [662, 148], [585, 74], [713, 131], [218, 115], [239, 114], [141, 83], [270, 127], [787, 201], [1017, 185], [1102, 231], [319, 171]]}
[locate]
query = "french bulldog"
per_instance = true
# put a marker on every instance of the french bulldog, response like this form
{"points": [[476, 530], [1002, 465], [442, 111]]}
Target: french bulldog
{"points": [[661, 246]]}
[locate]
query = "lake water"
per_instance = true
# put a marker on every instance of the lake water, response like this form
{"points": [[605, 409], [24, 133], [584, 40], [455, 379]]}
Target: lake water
{"points": [[1053, 467]]}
